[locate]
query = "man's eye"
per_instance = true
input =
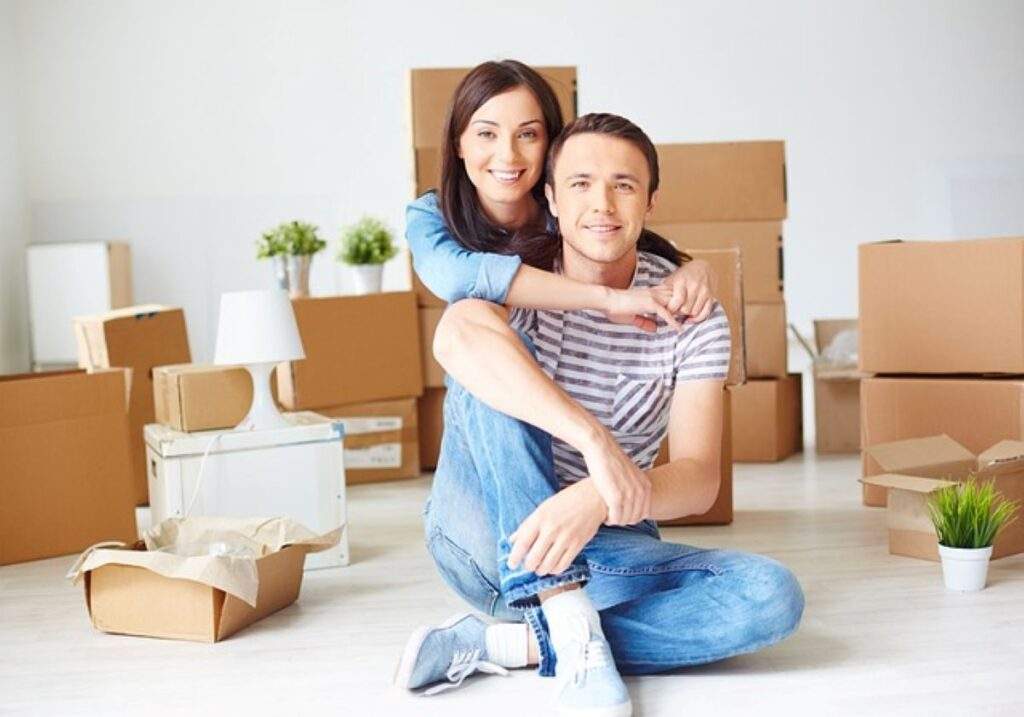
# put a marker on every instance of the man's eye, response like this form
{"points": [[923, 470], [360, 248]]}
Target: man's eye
{"points": [[625, 187], [578, 184]]}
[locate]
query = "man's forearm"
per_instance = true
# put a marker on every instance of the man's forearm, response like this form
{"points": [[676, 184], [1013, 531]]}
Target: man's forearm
{"points": [[683, 487]]}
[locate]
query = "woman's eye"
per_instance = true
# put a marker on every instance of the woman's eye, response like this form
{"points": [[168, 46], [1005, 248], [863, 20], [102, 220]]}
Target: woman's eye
{"points": [[485, 134], [529, 134]]}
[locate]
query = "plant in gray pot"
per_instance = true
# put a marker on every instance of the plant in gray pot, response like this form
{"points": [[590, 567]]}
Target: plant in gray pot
{"points": [[967, 517], [365, 246], [291, 244]]}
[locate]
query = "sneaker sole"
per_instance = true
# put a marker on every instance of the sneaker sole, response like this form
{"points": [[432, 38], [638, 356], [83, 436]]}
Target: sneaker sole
{"points": [[403, 673]]}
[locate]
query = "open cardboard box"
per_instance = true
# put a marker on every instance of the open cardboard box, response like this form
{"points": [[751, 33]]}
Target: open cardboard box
{"points": [[836, 391], [146, 590], [917, 467]]}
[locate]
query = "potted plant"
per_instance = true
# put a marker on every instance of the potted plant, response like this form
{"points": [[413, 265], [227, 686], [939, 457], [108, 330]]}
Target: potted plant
{"points": [[295, 243], [967, 517], [365, 246]]}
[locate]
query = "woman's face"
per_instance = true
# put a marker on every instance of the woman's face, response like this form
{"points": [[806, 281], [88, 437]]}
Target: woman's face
{"points": [[503, 147]]}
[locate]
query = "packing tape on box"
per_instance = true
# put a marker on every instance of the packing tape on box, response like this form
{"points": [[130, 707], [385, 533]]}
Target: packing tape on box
{"points": [[369, 424]]}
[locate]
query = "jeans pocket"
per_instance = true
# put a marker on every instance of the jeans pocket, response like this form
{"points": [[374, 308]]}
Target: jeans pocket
{"points": [[462, 574]]}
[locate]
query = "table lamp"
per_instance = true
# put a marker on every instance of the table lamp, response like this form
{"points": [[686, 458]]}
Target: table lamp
{"points": [[257, 330]]}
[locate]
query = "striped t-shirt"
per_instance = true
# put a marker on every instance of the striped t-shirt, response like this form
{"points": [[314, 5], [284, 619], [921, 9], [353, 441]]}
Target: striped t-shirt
{"points": [[624, 376]]}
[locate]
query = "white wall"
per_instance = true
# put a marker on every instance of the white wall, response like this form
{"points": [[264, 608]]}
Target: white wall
{"points": [[188, 127], [13, 206]]}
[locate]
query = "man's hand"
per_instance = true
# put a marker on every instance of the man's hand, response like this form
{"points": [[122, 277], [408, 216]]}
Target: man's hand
{"points": [[640, 306], [693, 290], [555, 533], [626, 489]]}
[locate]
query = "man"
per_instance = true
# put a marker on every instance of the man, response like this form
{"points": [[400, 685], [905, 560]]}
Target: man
{"points": [[545, 483]]}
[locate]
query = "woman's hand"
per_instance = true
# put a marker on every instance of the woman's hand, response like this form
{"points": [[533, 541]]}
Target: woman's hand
{"points": [[693, 287], [625, 489], [556, 532], [638, 306]]}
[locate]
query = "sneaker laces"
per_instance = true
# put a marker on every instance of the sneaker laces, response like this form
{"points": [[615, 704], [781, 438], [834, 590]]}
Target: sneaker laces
{"points": [[465, 663], [591, 655]]}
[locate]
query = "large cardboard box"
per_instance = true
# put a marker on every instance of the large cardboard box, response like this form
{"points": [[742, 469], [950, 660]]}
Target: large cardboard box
{"points": [[767, 419], [726, 263], [65, 465], [139, 338], [760, 244], [720, 513], [358, 349], [381, 440], [942, 307], [201, 397], [721, 182], [976, 412], [930, 463], [836, 393], [431, 419], [433, 374], [767, 349]]}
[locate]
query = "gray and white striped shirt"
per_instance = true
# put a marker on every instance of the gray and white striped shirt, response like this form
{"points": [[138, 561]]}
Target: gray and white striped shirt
{"points": [[624, 376]]}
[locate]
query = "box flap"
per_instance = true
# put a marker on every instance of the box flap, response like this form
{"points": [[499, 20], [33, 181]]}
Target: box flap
{"points": [[915, 484], [915, 453], [826, 329], [1004, 457]]}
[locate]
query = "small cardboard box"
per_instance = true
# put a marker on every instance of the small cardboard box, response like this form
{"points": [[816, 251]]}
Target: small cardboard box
{"points": [[767, 419], [942, 307], [201, 397], [765, 337], [381, 440], [836, 392], [975, 412], [922, 472], [760, 244], [721, 182], [65, 465], [358, 349], [158, 588], [720, 513], [139, 338], [727, 266], [431, 418], [433, 374]]}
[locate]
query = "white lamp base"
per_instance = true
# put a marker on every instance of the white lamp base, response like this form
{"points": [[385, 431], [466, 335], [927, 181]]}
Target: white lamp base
{"points": [[263, 414]]}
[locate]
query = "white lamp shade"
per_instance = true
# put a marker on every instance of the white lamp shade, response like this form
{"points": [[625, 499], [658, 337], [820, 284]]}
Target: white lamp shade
{"points": [[257, 327]]}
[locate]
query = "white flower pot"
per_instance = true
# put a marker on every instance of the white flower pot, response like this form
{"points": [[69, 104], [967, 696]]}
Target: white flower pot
{"points": [[368, 277], [965, 569]]}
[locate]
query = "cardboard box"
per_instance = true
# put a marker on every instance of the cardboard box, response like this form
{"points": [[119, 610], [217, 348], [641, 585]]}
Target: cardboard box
{"points": [[922, 472], [836, 392], [381, 440], [139, 338], [942, 307], [65, 465], [760, 244], [433, 374], [201, 397], [975, 412], [727, 266], [720, 513], [431, 419], [767, 419], [358, 349], [767, 348], [721, 182]]}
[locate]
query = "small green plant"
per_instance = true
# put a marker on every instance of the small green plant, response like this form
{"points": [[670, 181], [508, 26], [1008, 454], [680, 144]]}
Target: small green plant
{"points": [[295, 238], [968, 515], [367, 241]]}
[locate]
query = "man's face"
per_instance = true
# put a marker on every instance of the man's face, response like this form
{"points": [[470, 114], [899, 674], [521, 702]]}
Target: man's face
{"points": [[599, 196]]}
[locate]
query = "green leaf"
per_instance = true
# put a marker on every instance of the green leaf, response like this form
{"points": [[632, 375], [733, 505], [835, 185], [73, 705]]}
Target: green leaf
{"points": [[368, 241], [970, 514]]}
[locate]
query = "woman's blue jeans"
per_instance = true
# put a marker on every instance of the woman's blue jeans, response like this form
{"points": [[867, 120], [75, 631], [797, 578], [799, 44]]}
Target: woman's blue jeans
{"points": [[662, 605]]}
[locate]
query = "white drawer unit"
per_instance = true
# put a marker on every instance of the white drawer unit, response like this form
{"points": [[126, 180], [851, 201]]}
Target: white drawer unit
{"points": [[296, 472]]}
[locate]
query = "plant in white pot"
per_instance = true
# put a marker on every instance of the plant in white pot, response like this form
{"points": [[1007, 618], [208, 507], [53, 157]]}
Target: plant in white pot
{"points": [[365, 246], [967, 517], [292, 244]]}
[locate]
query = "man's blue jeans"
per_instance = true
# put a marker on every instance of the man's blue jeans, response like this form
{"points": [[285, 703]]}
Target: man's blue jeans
{"points": [[662, 605]]}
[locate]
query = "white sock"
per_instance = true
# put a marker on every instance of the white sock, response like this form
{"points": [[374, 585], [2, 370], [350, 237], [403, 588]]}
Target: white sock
{"points": [[507, 643], [567, 613]]}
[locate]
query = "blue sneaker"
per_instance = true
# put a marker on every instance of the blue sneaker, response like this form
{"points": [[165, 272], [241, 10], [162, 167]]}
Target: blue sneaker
{"points": [[591, 685], [451, 651]]}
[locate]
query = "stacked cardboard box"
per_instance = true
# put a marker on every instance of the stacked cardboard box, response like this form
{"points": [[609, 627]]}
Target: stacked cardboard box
{"points": [[430, 92], [836, 388], [733, 194], [942, 329]]}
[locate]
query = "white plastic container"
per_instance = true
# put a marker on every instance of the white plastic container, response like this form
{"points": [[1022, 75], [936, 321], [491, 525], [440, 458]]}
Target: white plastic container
{"points": [[368, 278], [965, 569]]}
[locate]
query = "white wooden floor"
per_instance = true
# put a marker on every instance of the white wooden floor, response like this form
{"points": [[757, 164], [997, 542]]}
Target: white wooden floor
{"points": [[880, 634]]}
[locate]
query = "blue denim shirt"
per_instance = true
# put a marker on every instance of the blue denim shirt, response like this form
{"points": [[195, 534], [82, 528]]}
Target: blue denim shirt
{"points": [[448, 269]]}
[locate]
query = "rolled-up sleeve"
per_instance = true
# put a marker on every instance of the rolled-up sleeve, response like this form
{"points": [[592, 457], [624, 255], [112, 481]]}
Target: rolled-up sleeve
{"points": [[448, 269]]}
